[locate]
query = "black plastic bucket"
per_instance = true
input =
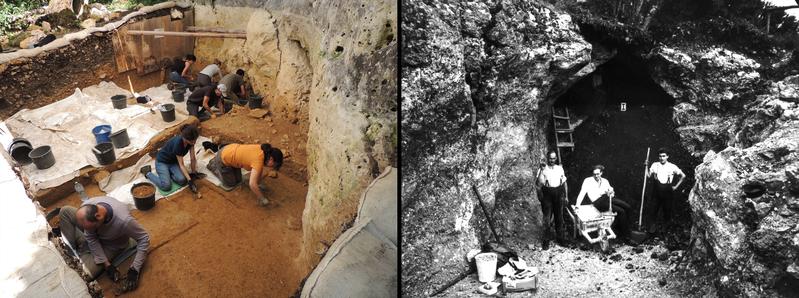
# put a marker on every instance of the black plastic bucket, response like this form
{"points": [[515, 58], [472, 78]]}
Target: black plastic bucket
{"points": [[42, 157], [143, 195], [120, 138], [178, 95], [105, 153], [119, 101], [256, 101], [19, 150], [167, 112]]}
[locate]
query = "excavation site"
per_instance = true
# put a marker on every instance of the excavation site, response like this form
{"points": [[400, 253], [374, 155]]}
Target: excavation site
{"points": [[201, 149]]}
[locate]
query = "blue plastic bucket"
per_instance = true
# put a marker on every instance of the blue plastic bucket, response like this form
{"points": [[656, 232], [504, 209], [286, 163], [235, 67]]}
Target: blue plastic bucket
{"points": [[102, 133]]}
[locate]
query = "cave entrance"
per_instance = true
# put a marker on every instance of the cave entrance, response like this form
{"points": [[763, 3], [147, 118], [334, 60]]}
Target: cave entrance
{"points": [[617, 112]]}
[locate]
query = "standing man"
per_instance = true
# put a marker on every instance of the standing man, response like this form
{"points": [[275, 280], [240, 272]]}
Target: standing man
{"points": [[203, 98], [662, 174], [552, 180], [100, 230]]}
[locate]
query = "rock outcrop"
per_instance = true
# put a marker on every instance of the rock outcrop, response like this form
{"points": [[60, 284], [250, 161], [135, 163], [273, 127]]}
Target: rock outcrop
{"points": [[330, 68], [478, 79], [722, 102]]}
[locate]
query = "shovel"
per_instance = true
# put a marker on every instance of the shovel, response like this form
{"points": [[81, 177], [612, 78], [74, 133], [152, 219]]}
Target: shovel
{"points": [[639, 236]]}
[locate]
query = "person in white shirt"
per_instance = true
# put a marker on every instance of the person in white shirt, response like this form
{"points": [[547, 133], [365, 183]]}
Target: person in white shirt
{"points": [[204, 78], [599, 192], [552, 180], [663, 175]]}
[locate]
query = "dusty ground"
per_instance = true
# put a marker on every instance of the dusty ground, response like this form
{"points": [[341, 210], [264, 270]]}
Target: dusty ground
{"points": [[584, 272], [220, 245]]}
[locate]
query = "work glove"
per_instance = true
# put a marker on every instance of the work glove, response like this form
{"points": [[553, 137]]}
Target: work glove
{"points": [[131, 282], [112, 273], [192, 186]]}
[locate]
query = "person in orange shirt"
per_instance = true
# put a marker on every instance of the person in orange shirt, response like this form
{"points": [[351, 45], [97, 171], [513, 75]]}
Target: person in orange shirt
{"points": [[231, 158]]}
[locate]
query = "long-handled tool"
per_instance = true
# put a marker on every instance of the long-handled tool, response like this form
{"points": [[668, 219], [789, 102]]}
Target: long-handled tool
{"points": [[639, 236], [643, 189]]}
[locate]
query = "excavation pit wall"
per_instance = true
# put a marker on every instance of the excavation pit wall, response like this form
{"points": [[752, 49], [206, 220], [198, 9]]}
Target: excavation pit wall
{"points": [[329, 68]]}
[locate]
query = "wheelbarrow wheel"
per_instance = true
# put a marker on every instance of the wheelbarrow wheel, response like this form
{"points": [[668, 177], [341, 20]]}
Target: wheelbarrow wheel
{"points": [[604, 245]]}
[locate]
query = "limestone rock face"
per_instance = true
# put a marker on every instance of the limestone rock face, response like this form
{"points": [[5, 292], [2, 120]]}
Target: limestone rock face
{"points": [[755, 240], [713, 88], [329, 67], [476, 78]]}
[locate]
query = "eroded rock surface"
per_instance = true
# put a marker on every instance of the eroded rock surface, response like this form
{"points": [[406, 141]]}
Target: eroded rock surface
{"points": [[476, 78], [330, 68]]}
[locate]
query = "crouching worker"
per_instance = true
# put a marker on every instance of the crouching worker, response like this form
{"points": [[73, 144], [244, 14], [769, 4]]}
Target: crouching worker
{"points": [[201, 100], [600, 194], [230, 159], [169, 164], [100, 230]]}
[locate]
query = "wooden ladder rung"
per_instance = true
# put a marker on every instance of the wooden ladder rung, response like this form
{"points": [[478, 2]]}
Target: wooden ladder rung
{"points": [[560, 117], [565, 144], [564, 130]]}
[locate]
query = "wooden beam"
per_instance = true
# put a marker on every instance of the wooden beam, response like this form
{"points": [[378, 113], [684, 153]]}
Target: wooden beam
{"points": [[189, 34], [215, 30]]}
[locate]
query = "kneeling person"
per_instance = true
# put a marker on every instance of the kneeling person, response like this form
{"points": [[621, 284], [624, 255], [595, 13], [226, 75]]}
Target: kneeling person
{"points": [[230, 159], [100, 230]]}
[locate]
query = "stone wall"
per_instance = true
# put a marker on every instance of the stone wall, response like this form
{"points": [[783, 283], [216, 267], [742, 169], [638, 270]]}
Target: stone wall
{"points": [[53, 75], [478, 79], [330, 67]]}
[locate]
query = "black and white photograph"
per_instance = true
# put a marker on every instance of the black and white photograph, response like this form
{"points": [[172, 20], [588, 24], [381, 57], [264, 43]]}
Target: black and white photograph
{"points": [[599, 148]]}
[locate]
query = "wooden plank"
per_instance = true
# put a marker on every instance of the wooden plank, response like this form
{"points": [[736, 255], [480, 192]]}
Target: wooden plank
{"points": [[216, 30], [188, 20], [150, 33], [119, 52]]}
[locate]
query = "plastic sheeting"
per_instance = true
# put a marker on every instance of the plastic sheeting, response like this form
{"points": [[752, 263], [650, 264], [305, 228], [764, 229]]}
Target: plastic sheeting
{"points": [[66, 126], [30, 265], [362, 262]]}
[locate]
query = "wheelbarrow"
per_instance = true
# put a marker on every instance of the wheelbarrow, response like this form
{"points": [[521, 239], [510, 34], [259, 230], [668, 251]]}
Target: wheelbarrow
{"points": [[589, 220]]}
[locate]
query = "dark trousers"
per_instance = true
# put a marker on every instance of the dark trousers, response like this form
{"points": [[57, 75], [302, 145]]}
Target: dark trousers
{"points": [[662, 199], [621, 225], [551, 204], [230, 176], [203, 80]]}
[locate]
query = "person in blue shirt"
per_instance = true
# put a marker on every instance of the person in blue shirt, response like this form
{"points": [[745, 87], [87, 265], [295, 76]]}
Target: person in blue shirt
{"points": [[169, 165]]}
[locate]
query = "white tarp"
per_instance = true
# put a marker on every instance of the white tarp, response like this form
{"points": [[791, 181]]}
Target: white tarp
{"points": [[119, 183], [66, 126], [362, 262], [30, 265]]}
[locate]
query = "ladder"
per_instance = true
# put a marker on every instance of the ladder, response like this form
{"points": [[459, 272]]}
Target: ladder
{"points": [[561, 123]]}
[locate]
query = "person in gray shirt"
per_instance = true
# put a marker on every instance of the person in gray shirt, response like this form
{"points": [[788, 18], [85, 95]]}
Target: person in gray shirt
{"points": [[101, 229]]}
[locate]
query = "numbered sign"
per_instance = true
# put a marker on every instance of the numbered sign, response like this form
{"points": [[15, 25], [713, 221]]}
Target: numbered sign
{"points": [[623, 106]]}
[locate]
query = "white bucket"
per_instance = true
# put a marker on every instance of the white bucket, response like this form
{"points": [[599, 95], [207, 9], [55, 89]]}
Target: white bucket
{"points": [[486, 266]]}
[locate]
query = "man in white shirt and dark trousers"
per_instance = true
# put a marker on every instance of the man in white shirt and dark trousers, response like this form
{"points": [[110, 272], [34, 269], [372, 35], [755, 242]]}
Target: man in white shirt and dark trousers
{"points": [[662, 174], [552, 180], [600, 194], [206, 75]]}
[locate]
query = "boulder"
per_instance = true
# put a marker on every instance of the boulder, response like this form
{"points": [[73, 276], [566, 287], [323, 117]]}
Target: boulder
{"points": [[476, 77]]}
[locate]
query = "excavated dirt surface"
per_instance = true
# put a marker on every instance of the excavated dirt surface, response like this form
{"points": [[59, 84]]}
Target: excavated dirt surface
{"points": [[644, 271], [222, 244]]}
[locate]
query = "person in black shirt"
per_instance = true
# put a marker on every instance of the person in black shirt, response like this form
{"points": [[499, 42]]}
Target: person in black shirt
{"points": [[169, 164], [179, 73], [203, 98]]}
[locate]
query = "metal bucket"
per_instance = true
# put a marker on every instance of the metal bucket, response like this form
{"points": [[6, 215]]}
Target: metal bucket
{"points": [[167, 112]]}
